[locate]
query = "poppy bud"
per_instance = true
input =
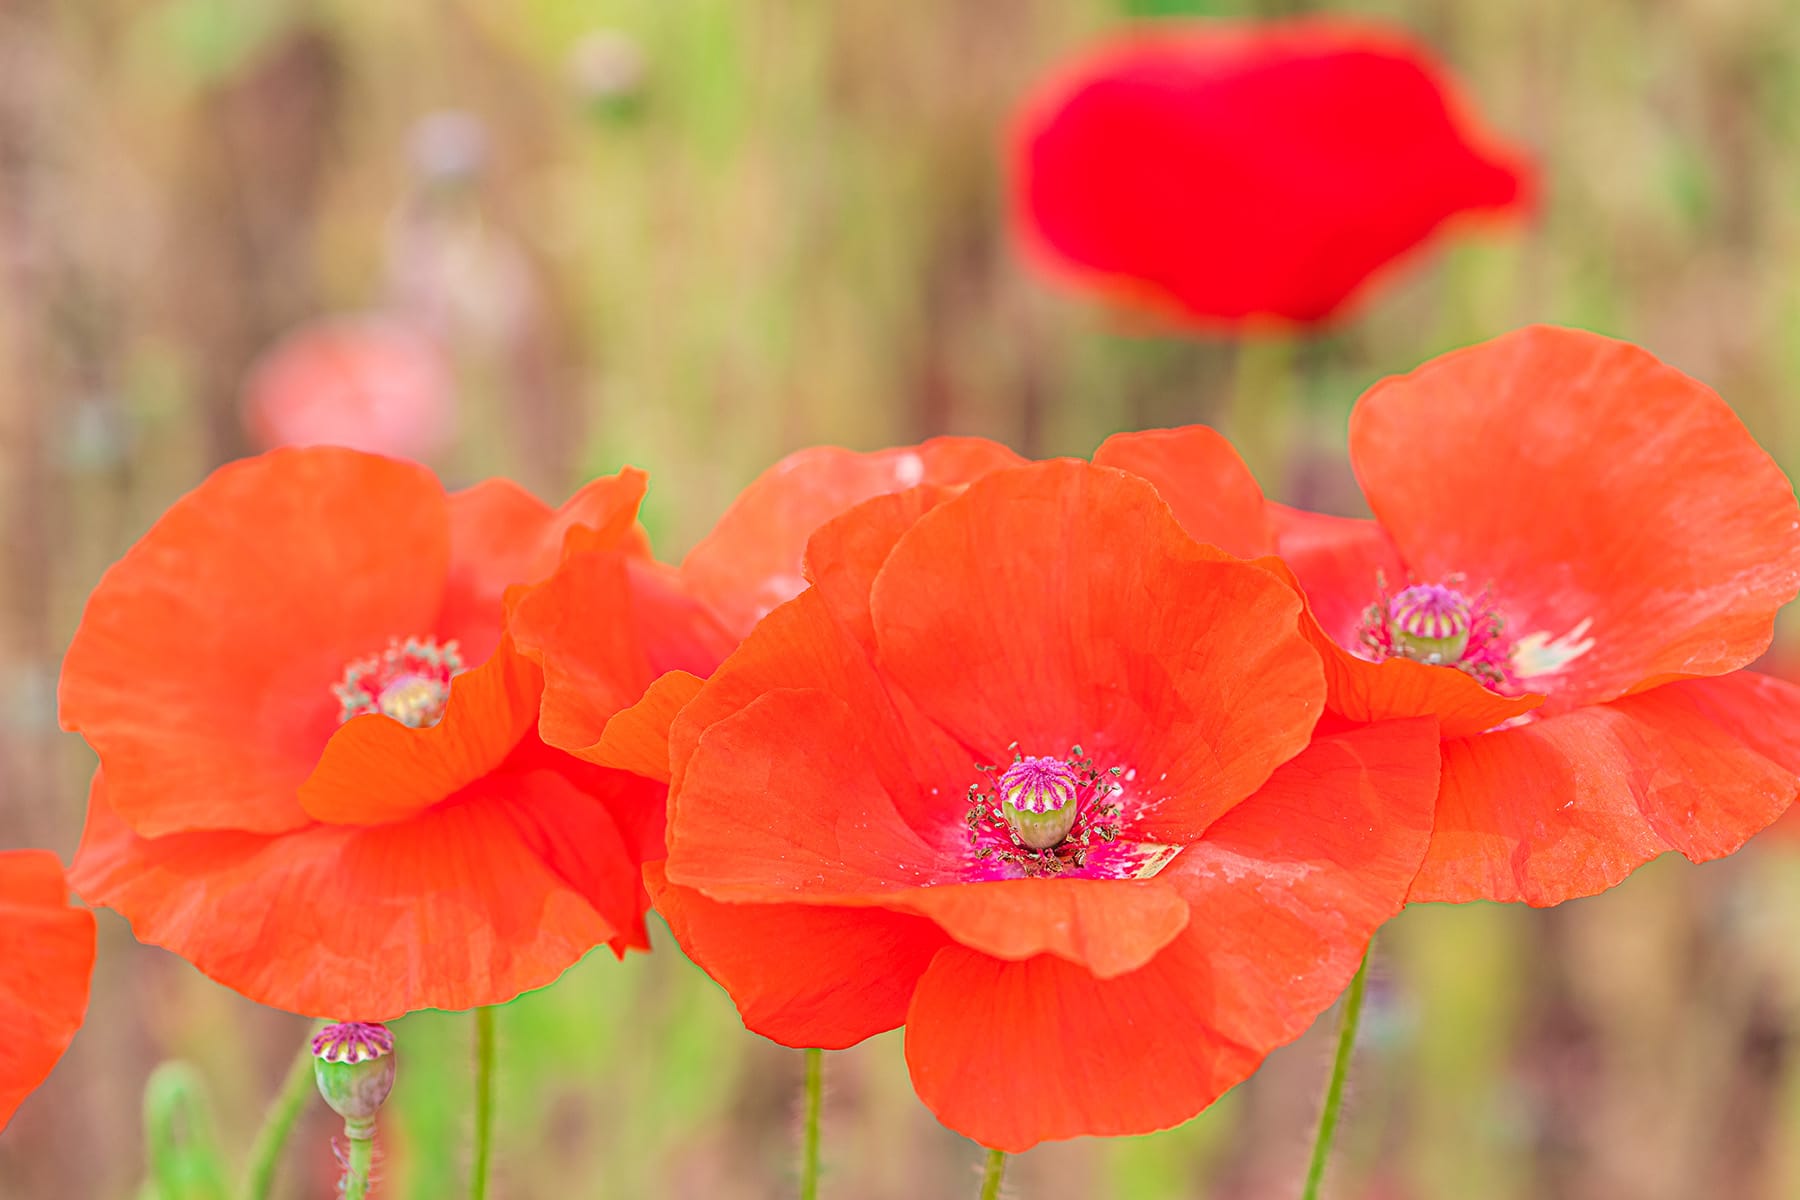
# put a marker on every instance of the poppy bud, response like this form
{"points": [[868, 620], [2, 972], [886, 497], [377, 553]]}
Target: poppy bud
{"points": [[354, 1063]]}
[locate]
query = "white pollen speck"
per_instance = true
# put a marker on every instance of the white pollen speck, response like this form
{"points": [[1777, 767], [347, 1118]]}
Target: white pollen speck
{"points": [[909, 470], [1131, 774]]}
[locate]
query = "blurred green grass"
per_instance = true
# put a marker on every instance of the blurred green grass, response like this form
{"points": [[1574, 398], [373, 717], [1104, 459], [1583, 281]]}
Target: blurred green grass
{"points": [[795, 235]]}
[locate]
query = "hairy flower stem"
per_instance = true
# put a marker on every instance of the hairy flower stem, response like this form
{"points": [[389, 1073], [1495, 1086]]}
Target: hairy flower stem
{"points": [[484, 1103], [1334, 1091], [359, 1162], [809, 1138], [278, 1123], [991, 1176]]}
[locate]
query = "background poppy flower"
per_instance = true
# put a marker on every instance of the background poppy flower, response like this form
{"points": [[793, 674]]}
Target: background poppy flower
{"points": [[1565, 528], [1194, 879], [48, 949], [1228, 173], [612, 689], [320, 778], [370, 382]]}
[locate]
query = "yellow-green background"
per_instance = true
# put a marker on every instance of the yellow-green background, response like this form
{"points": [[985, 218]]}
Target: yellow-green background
{"points": [[794, 234]]}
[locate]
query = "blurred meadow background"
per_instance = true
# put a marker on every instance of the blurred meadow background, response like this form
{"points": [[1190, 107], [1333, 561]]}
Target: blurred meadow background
{"points": [[693, 235]]}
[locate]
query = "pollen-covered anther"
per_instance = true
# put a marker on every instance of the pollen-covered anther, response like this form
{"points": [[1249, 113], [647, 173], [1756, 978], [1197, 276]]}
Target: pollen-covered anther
{"points": [[409, 681]]}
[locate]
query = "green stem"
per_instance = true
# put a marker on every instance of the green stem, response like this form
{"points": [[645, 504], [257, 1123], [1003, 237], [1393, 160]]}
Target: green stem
{"points": [[1260, 394], [1334, 1091], [358, 1163], [990, 1178], [278, 1123], [809, 1147], [484, 1102]]}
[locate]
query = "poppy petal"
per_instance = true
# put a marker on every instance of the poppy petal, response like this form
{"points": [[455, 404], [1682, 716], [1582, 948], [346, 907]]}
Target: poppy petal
{"points": [[784, 964], [636, 739], [1048, 585], [802, 645], [751, 561], [845, 554], [1570, 805], [1343, 829], [375, 769], [467, 904], [576, 625], [1203, 479], [1292, 883], [1108, 926], [780, 802], [1761, 711], [1015, 1053], [502, 535], [202, 671], [1600, 493], [48, 949]]}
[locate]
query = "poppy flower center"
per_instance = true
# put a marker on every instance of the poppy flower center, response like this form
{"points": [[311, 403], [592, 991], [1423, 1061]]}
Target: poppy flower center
{"points": [[409, 681], [1441, 625], [1044, 815]]}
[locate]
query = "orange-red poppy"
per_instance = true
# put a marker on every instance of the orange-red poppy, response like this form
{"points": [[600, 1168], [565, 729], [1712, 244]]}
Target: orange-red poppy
{"points": [[1230, 173], [320, 778], [1565, 531], [609, 698], [986, 780], [48, 949]]}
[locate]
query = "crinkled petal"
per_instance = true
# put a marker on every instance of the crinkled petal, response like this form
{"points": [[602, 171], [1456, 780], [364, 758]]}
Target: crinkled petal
{"points": [[803, 645], [47, 947], [501, 536], [751, 561], [1570, 805], [467, 904], [1061, 604], [1287, 889], [375, 770], [1204, 481], [202, 671], [1602, 496], [784, 965]]}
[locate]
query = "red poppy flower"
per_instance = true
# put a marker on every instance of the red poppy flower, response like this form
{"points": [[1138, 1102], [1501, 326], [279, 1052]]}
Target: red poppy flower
{"points": [[610, 702], [48, 949], [1227, 173], [369, 383], [320, 778], [985, 780], [1565, 529]]}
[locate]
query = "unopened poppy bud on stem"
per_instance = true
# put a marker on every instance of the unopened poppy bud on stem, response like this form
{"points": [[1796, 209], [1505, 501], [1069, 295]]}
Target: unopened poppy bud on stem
{"points": [[354, 1065]]}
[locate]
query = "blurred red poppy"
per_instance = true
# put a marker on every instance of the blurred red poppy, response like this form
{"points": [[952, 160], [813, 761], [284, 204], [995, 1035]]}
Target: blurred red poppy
{"points": [[608, 702], [982, 780], [48, 949], [1226, 174], [371, 383], [1575, 548], [320, 779]]}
